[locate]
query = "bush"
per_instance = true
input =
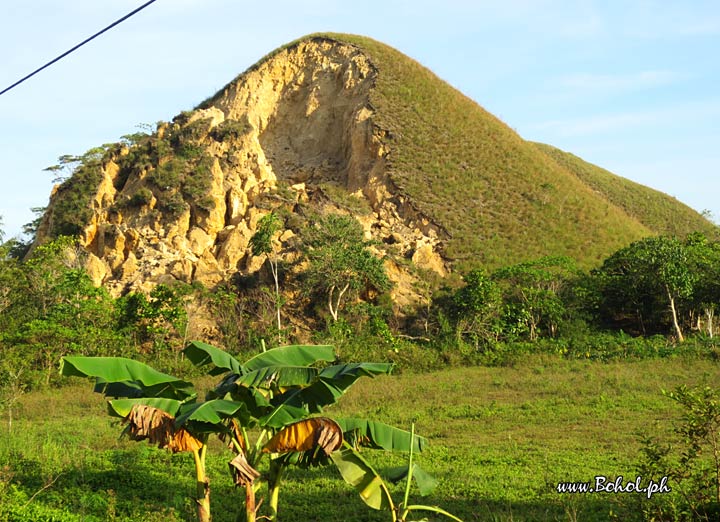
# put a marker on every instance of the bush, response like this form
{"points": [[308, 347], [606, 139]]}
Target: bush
{"points": [[141, 198], [72, 208], [692, 466], [169, 175], [231, 129]]}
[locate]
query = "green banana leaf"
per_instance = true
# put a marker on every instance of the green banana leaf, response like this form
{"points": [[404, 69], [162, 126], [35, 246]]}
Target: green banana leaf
{"points": [[426, 483], [294, 355], [208, 416], [331, 383], [379, 435], [275, 377], [118, 377], [356, 471], [201, 354], [282, 416], [122, 407]]}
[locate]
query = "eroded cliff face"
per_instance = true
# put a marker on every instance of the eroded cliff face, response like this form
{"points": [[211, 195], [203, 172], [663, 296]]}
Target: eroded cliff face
{"points": [[296, 129]]}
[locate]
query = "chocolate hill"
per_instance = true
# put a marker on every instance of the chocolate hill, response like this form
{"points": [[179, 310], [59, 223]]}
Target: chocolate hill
{"points": [[341, 123]]}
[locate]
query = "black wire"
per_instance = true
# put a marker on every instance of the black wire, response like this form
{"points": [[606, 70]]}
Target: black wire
{"points": [[77, 46]]}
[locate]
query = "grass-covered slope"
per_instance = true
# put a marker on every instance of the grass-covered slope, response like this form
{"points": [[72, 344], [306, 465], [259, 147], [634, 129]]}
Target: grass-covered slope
{"points": [[500, 198], [497, 195], [659, 212]]}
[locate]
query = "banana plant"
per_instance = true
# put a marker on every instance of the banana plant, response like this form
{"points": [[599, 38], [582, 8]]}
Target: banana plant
{"points": [[285, 391], [159, 408], [374, 490], [279, 388], [278, 396]]}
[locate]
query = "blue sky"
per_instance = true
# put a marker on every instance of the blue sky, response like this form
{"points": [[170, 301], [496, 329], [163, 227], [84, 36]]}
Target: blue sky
{"points": [[629, 85]]}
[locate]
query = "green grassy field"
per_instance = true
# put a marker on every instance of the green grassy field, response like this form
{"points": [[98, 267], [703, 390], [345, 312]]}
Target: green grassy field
{"points": [[500, 440]]}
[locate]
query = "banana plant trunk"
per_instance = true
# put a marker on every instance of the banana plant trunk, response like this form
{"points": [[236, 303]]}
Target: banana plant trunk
{"points": [[202, 491], [250, 506], [276, 471]]}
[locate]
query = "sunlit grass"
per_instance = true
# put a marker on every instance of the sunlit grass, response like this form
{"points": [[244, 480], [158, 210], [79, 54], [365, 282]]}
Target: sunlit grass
{"points": [[500, 439], [500, 199]]}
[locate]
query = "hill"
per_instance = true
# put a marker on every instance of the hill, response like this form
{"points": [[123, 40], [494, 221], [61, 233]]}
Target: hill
{"points": [[342, 123], [659, 212]]}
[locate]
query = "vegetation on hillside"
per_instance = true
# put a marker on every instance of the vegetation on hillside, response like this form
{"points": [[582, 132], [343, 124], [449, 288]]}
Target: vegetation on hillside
{"points": [[657, 211], [497, 196]]}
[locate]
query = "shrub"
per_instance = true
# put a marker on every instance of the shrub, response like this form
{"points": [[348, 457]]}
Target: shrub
{"points": [[141, 198], [692, 466], [231, 129]]}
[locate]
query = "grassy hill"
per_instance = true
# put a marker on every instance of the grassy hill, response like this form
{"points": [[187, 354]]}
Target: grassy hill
{"points": [[500, 198], [657, 211]]}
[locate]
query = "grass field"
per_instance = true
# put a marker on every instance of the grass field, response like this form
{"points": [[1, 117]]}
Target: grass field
{"points": [[500, 441]]}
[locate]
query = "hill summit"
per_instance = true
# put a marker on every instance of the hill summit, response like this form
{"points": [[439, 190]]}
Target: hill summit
{"points": [[342, 123]]}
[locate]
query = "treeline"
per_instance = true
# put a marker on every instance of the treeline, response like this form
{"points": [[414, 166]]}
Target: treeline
{"points": [[645, 299], [658, 288], [49, 308]]}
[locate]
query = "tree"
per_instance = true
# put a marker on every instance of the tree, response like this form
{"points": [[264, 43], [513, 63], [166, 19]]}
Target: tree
{"points": [[652, 270], [532, 294], [262, 243], [50, 307], [476, 308], [340, 262], [704, 264]]}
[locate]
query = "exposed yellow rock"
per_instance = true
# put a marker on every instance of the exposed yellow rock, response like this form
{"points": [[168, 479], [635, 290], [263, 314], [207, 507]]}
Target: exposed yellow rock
{"points": [[200, 241], [425, 257], [302, 118], [96, 269]]}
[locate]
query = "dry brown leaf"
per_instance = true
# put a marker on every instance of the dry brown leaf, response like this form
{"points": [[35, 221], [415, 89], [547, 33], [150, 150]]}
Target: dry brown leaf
{"points": [[305, 435], [236, 433], [242, 471], [158, 427]]}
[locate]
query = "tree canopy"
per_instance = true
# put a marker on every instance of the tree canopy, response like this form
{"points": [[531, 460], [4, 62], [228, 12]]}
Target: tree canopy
{"points": [[340, 261]]}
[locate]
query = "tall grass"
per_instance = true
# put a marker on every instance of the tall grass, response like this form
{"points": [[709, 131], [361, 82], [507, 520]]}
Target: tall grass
{"points": [[500, 440]]}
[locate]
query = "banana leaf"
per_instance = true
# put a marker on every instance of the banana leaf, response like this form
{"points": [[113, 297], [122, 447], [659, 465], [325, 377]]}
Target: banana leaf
{"points": [[208, 416], [379, 435], [426, 483], [122, 407], [121, 377], [201, 354], [294, 355], [331, 384], [356, 471]]}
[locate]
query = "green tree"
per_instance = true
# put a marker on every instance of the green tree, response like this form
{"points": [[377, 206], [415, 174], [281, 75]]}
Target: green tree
{"points": [[532, 294], [476, 308], [704, 264], [262, 242], [50, 307], [654, 270], [156, 318], [340, 262]]}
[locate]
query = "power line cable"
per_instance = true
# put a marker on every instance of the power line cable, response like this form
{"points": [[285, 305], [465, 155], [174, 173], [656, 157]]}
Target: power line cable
{"points": [[63, 55]]}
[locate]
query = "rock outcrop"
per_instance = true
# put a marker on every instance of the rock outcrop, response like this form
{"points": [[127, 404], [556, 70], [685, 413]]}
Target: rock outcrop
{"points": [[298, 128]]}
